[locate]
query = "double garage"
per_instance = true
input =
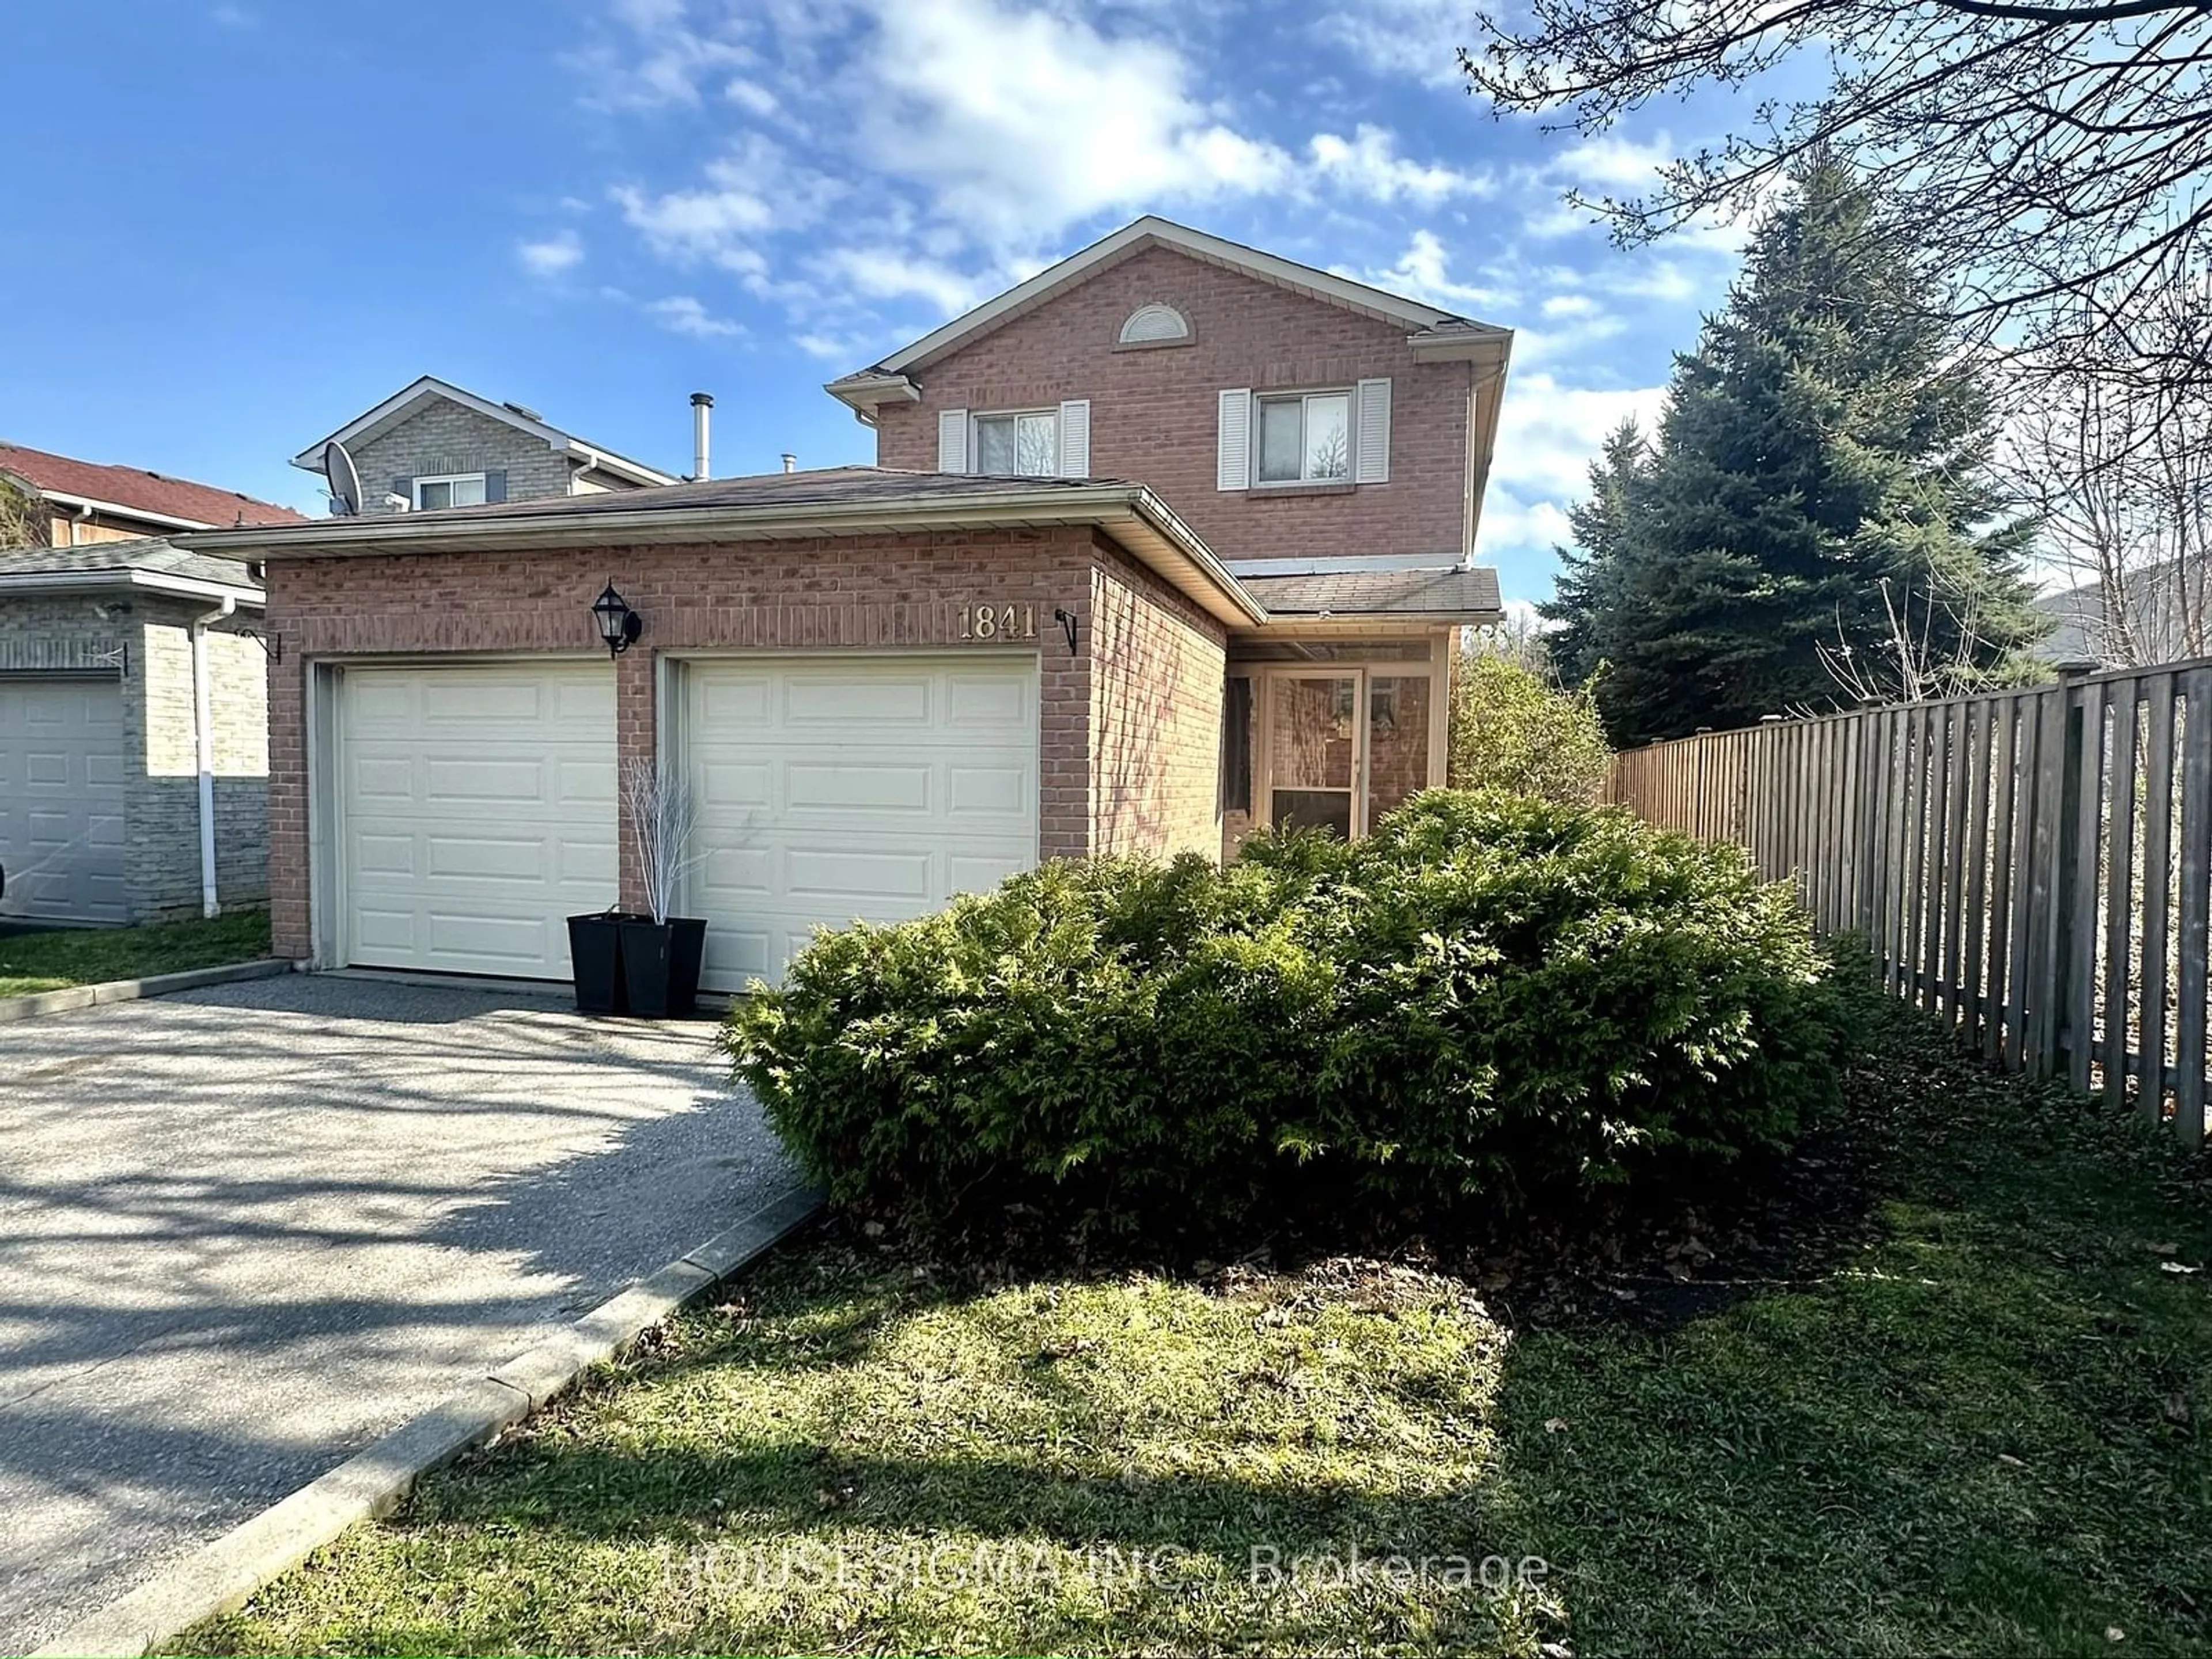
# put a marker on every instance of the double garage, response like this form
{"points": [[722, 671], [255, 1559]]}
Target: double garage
{"points": [[473, 807]]}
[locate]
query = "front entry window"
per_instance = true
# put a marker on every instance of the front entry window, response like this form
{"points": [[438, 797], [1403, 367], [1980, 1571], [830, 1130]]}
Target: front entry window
{"points": [[1336, 748], [1397, 741], [1313, 749]]}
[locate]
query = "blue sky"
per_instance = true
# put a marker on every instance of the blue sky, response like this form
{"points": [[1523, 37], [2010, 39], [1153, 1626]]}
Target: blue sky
{"points": [[239, 224]]}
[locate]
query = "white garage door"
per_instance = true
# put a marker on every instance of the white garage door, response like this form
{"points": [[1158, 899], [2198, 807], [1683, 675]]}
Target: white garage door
{"points": [[870, 788], [61, 800], [477, 810]]}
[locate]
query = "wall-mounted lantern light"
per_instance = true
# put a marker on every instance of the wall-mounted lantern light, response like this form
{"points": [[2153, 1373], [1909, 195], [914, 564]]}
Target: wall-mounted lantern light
{"points": [[619, 625]]}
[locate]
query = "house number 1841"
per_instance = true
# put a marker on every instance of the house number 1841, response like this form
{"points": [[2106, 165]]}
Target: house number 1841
{"points": [[1003, 622]]}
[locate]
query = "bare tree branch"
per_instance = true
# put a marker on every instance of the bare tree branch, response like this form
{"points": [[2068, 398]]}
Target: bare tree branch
{"points": [[2055, 158]]}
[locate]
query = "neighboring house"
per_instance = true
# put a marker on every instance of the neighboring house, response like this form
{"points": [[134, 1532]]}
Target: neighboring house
{"points": [[134, 754], [1169, 540], [74, 502], [432, 446], [133, 707], [2166, 617]]}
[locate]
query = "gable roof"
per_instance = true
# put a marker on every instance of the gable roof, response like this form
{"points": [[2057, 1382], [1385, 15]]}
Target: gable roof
{"points": [[1428, 330], [405, 401], [146, 562], [132, 492]]}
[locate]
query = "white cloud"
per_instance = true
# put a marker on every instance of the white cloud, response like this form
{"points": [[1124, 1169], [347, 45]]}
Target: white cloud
{"points": [[881, 274], [699, 224], [751, 95], [1415, 39], [1368, 164], [1547, 432], [746, 197], [1423, 272], [1548, 435], [1018, 123], [682, 314], [1608, 162], [233, 17], [561, 251], [959, 141]]}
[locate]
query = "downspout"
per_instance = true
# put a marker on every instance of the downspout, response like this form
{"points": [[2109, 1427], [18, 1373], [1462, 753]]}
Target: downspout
{"points": [[203, 738]]}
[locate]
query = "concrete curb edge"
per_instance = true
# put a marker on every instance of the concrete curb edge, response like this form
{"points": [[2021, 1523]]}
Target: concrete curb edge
{"points": [[72, 997], [219, 1577]]}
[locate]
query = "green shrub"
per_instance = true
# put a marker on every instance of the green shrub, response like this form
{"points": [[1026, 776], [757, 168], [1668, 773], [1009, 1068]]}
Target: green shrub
{"points": [[1513, 729], [1492, 1004]]}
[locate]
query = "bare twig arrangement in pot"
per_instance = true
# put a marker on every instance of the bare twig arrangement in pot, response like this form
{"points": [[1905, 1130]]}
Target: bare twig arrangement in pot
{"points": [[660, 954], [663, 815]]}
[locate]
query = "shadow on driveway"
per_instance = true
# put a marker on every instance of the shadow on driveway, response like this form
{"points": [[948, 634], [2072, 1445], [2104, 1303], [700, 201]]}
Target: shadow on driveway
{"points": [[246, 1231]]}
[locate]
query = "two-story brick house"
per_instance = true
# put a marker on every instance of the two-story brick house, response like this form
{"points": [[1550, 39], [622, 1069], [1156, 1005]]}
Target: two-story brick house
{"points": [[1168, 541], [432, 445]]}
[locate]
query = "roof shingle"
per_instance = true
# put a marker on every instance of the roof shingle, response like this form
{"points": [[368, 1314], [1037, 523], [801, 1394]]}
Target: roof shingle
{"points": [[118, 558], [1459, 590], [134, 487]]}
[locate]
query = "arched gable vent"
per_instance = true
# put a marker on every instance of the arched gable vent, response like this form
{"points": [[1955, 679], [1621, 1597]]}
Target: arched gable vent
{"points": [[1149, 324]]}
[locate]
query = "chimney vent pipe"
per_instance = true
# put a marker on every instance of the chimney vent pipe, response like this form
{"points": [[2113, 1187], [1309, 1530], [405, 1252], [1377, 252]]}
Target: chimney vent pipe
{"points": [[790, 461], [700, 403]]}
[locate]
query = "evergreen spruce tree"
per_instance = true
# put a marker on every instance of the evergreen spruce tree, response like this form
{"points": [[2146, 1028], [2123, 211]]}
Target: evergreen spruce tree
{"points": [[1820, 441], [1585, 604]]}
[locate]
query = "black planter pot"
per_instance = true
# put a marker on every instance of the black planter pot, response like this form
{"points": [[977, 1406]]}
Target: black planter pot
{"points": [[595, 955], [660, 965]]}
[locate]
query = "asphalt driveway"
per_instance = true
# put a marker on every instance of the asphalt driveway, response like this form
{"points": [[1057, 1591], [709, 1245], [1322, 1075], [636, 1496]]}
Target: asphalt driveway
{"points": [[246, 1232]]}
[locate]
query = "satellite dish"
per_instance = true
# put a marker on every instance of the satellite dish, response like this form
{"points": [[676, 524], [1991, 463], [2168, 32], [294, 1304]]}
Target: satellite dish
{"points": [[344, 480]]}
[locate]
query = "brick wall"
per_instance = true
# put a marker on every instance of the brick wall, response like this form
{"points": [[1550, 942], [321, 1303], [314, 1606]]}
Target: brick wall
{"points": [[444, 437], [1154, 411], [1158, 669], [857, 593]]}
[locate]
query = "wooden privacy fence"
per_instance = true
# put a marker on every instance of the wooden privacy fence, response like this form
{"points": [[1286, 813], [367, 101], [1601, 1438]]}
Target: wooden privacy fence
{"points": [[2033, 867]]}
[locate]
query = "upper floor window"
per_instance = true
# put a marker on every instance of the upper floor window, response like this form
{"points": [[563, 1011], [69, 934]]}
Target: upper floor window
{"points": [[1332, 435], [1306, 439], [1023, 445], [1016, 443], [451, 489]]}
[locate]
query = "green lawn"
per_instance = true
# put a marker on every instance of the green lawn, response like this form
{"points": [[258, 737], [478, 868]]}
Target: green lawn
{"points": [[64, 956], [1946, 1394]]}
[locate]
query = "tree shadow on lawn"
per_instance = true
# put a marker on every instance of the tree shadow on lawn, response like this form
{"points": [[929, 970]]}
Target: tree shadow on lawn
{"points": [[1944, 1398], [1968, 1420]]}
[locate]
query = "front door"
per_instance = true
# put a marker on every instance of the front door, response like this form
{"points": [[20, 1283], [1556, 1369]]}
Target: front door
{"points": [[1313, 750]]}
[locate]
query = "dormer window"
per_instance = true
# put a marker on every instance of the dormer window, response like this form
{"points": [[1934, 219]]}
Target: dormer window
{"points": [[1155, 325]]}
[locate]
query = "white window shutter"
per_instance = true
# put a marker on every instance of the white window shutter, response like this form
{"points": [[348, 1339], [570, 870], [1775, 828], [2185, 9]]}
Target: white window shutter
{"points": [[1075, 439], [1373, 466], [1233, 454], [952, 441]]}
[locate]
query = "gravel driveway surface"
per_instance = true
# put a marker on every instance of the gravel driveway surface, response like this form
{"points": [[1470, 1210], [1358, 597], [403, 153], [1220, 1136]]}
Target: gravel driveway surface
{"points": [[246, 1231]]}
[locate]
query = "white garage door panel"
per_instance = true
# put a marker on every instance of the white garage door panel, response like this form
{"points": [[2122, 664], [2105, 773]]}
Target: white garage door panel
{"points": [[875, 789], [61, 800], [479, 810]]}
